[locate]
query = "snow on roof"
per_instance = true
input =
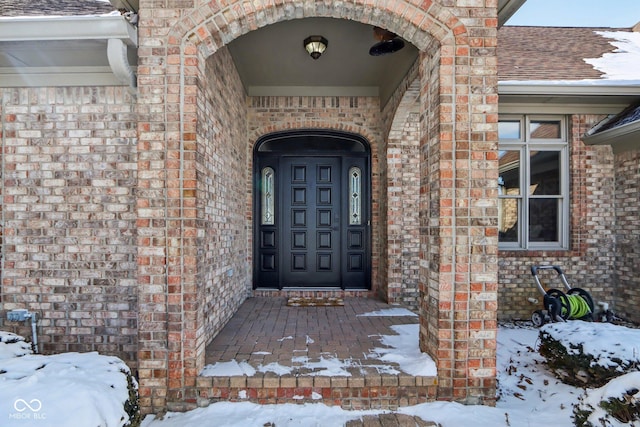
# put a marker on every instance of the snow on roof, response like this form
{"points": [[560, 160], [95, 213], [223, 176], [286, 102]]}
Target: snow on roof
{"points": [[538, 56], [624, 62]]}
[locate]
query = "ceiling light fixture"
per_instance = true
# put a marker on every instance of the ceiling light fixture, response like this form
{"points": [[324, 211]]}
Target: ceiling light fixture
{"points": [[315, 45]]}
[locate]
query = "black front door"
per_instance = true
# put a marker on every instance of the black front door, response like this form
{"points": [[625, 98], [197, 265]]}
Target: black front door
{"points": [[312, 215], [311, 219]]}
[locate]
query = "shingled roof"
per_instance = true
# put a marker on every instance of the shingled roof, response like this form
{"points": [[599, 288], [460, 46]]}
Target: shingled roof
{"points": [[54, 7], [550, 53]]}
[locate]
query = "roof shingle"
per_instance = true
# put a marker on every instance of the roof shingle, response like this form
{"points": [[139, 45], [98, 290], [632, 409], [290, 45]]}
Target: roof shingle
{"points": [[54, 7], [550, 53]]}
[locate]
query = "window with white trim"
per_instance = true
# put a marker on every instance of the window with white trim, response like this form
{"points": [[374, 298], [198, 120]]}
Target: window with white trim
{"points": [[533, 183]]}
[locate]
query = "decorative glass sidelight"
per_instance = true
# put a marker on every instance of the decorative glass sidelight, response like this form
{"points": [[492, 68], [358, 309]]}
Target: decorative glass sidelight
{"points": [[355, 200], [268, 202]]}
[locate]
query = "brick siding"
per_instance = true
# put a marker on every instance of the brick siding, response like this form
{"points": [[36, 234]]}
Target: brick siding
{"points": [[223, 276], [400, 173], [627, 231], [127, 223], [68, 212]]}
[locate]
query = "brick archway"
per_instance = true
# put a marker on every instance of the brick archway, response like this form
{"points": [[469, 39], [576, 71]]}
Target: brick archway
{"points": [[458, 115]]}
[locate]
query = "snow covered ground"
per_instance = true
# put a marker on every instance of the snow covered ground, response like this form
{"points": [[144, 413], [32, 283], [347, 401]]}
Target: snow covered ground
{"points": [[78, 390], [69, 389]]}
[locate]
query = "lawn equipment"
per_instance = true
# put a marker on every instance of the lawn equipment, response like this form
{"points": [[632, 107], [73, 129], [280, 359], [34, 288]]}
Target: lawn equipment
{"points": [[572, 304]]}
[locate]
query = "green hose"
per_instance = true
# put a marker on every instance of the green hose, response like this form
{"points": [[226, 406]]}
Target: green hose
{"points": [[578, 306]]}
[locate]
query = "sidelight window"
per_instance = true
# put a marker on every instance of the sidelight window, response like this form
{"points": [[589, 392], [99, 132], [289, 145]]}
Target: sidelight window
{"points": [[268, 196], [355, 199]]}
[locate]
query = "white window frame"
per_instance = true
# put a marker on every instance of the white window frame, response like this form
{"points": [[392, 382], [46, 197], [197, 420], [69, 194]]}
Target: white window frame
{"points": [[525, 145]]}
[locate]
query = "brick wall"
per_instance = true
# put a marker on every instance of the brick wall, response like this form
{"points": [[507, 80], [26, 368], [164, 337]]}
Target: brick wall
{"points": [[68, 217], [627, 231], [590, 259], [223, 277], [401, 174]]}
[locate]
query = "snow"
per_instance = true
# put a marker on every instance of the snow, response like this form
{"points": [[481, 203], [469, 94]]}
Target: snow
{"points": [[626, 385], [401, 351], [88, 389], [528, 394], [624, 62], [69, 389], [390, 312], [231, 368], [619, 67], [12, 345], [608, 344]]}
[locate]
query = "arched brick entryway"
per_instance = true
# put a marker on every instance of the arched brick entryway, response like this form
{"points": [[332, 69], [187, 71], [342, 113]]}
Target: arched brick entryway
{"points": [[180, 224]]}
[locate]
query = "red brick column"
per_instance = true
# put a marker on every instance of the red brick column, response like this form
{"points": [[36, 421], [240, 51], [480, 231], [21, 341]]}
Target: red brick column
{"points": [[459, 210]]}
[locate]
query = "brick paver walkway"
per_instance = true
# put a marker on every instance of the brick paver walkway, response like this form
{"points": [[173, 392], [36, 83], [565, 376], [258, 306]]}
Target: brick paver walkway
{"points": [[265, 330]]}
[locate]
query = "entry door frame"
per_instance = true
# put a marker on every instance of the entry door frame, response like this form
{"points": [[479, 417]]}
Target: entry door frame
{"points": [[269, 152]]}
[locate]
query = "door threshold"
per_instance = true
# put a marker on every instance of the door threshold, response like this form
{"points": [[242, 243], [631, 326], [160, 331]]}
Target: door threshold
{"points": [[312, 292]]}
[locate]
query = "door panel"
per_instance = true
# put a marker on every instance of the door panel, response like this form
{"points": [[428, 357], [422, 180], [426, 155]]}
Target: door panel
{"points": [[310, 205]]}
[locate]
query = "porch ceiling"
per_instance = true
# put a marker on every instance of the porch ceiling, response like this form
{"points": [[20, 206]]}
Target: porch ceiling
{"points": [[272, 60]]}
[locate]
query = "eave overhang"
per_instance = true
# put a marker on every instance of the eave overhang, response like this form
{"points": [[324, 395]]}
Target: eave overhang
{"points": [[104, 48], [570, 97], [506, 9], [622, 138]]}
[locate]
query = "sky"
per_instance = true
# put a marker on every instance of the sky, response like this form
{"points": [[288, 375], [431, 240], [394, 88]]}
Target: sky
{"points": [[578, 13]]}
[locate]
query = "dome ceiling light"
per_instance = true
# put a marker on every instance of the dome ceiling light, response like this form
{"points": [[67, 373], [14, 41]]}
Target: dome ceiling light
{"points": [[315, 45]]}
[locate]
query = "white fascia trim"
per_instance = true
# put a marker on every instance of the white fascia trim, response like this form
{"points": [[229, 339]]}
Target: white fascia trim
{"points": [[578, 87], [561, 108], [47, 28]]}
